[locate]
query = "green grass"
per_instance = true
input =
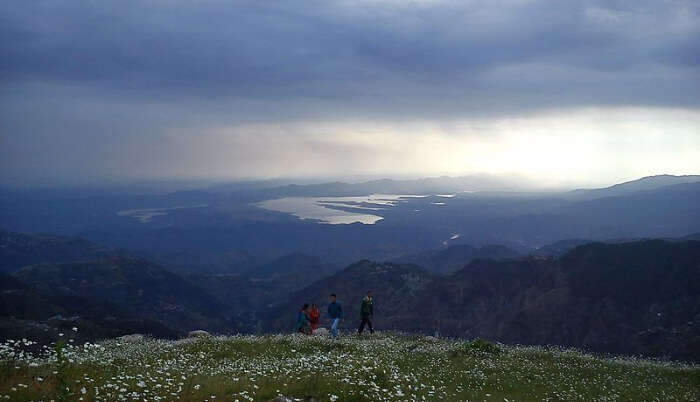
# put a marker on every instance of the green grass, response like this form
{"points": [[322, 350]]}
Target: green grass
{"points": [[387, 367]]}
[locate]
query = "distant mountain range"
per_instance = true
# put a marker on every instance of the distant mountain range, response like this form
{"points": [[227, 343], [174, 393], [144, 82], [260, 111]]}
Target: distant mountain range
{"points": [[644, 184], [18, 250], [454, 258], [449, 185], [431, 185], [561, 247], [233, 235]]}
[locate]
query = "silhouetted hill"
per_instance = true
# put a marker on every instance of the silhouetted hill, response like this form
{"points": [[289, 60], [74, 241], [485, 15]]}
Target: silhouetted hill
{"points": [[397, 283], [135, 285], [632, 298], [18, 250], [561, 247], [249, 295], [633, 273], [428, 185], [456, 257], [642, 184], [637, 297], [25, 313], [292, 271], [669, 211], [241, 297]]}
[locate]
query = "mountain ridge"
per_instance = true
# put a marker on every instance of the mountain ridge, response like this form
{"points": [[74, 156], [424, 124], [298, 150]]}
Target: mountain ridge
{"points": [[135, 284], [645, 183]]}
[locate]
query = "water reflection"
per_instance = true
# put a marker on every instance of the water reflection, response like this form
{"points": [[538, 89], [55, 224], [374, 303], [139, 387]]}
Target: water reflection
{"points": [[336, 210]]}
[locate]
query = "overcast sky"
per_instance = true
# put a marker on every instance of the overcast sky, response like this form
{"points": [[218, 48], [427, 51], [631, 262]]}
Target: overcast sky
{"points": [[562, 92]]}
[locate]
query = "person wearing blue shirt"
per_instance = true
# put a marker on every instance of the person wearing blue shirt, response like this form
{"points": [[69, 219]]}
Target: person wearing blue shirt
{"points": [[335, 312]]}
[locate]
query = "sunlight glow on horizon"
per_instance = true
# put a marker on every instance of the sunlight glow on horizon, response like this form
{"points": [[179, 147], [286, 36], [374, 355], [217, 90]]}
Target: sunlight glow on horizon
{"points": [[567, 148]]}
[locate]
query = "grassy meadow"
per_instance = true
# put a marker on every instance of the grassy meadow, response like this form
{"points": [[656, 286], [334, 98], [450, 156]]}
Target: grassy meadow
{"points": [[381, 367]]}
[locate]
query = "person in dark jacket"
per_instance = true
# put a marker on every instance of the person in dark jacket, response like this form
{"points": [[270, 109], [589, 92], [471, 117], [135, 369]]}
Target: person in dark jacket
{"points": [[367, 313], [335, 312], [303, 322]]}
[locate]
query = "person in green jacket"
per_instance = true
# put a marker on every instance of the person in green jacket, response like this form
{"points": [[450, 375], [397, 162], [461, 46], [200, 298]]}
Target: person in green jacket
{"points": [[367, 313], [303, 322]]}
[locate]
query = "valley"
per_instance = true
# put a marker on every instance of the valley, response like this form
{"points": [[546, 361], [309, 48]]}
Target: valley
{"points": [[481, 266]]}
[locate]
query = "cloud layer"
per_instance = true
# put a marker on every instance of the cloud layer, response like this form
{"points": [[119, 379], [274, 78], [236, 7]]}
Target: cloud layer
{"points": [[119, 86]]}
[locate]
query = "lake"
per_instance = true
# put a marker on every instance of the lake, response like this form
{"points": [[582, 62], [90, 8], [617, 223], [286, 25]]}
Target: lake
{"points": [[325, 209]]}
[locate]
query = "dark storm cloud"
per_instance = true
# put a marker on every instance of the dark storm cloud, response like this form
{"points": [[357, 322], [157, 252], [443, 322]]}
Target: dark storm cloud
{"points": [[416, 53], [127, 86]]}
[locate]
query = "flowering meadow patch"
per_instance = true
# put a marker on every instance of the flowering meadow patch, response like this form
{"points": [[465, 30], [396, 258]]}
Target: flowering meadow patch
{"points": [[382, 367]]}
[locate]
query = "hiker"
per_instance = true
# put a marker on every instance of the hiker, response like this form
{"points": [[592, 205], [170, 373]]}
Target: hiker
{"points": [[303, 323], [314, 317], [367, 313], [335, 312]]}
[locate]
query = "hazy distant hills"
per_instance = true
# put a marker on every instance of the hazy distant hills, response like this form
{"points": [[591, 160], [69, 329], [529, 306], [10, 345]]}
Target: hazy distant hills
{"points": [[232, 235], [643, 184], [456, 257], [295, 267], [18, 250], [561, 247], [443, 185], [669, 211], [450, 185], [431, 185]]}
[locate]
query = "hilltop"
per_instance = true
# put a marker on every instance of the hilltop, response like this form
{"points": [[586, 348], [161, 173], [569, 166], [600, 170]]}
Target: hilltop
{"points": [[18, 250], [454, 258], [385, 367], [136, 285], [642, 184]]}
